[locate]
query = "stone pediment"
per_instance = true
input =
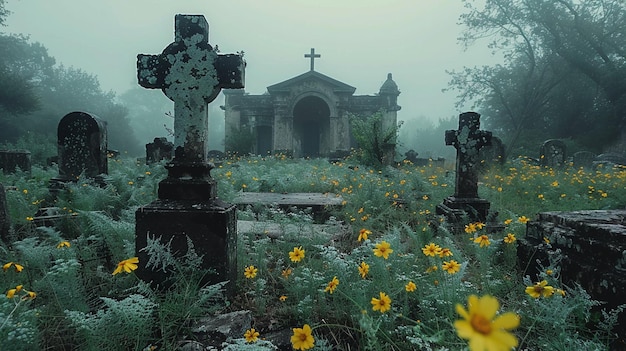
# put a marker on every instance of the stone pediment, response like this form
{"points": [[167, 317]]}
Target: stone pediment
{"points": [[308, 78]]}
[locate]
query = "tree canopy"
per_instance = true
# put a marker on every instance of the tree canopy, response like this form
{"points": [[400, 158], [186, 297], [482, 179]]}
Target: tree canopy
{"points": [[35, 93], [564, 74]]}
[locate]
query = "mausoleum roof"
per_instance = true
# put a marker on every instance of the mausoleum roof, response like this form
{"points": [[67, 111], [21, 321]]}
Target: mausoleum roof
{"points": [[337, 86], [389, 86]]}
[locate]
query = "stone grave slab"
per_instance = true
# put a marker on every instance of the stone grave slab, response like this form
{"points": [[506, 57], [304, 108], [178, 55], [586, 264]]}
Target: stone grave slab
{"points": [[593, 249], [318, 202], [275, 230]]}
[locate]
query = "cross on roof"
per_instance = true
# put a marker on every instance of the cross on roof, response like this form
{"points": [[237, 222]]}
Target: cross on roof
{"points": [[313, 56], [190, 73]]}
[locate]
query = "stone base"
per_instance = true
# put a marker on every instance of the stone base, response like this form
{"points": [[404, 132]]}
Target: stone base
{"points": [[454, 208], [211, 225], [188, 182], [593, 251]]}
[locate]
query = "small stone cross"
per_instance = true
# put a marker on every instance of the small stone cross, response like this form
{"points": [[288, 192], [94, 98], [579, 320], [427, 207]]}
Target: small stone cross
{"points": [[191, 74], [468, 140], [313, 56]]}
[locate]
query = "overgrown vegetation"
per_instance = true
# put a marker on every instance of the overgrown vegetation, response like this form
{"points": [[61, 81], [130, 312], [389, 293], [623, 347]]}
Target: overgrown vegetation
{"points": [[81, 305]]}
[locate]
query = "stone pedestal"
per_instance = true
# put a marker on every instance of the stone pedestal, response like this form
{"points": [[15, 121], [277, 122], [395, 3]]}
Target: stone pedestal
{"points": [[454, 208], [211, 226], [592, 245]]}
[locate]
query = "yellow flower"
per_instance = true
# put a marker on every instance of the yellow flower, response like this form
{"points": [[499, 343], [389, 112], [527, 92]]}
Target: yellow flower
{"points": [[445, 252], [508, 221], [431, 249], [560, 292], [484, 330], [18, 267], [250, 272], [360, 210], [283, 298], [64, 244], [30, 219], [549, 271], [509, 238], [302, 338], [251, 335], [483, 240], [286, 273], [546, 240], [25, 191], [470, 228], [131, 183], [540, 196], [451, 266], [11, 293], [148, 173], [364, 268], [523, 219], [425, 197], [127, 266], [332, 285], [383, 304], [431, 269], [555, 183], [297, 254], [30, 295], [540, 289], [382, 249], [479, 225], [410, 287]]}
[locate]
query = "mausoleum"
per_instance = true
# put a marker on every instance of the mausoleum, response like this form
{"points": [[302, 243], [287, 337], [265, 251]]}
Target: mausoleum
{"points": [[307, 115]]}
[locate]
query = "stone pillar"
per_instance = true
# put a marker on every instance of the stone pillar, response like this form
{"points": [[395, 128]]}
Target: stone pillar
{"points": [[5, 218]]}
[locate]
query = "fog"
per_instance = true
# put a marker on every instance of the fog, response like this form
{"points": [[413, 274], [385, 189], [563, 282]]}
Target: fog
{"points": [[359, 42]]}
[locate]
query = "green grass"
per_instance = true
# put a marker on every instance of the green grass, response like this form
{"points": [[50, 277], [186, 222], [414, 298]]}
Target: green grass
{"points": [[80, 305]]}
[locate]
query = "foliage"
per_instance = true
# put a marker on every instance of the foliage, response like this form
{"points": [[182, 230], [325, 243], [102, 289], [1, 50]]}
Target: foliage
{"points": [[80, 305], [375, 139], [239, 141], [35, 94], [563, 75]]}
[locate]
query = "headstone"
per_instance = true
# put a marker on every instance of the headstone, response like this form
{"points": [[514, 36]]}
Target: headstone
{"points": [[583, 159], [11, 160], [82, 147], [411, 156], [468, 140], [553, 153], [493, 154], [191, 74], [158, 150], [5, 218], [592, 246]]}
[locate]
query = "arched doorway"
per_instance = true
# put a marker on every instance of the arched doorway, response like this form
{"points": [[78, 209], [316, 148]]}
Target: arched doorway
{"points": [[311, 120]]}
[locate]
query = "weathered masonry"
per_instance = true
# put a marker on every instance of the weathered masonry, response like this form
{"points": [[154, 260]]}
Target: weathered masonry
{"points": [[307, 115]]}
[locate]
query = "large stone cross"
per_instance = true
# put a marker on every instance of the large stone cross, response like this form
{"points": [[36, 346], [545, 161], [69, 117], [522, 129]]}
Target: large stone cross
{"points": [[467, 140], [191, 74]]}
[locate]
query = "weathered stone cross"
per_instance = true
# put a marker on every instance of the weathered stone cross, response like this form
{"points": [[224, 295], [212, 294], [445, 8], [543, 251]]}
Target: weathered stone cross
{"points": [[313, 56], [191, 74], [467, 140]]}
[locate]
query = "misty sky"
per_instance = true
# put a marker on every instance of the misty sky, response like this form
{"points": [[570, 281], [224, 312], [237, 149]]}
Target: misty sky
{"points": [[360, 41]]}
